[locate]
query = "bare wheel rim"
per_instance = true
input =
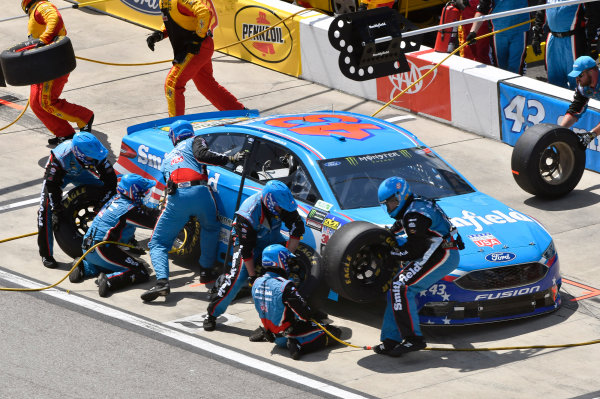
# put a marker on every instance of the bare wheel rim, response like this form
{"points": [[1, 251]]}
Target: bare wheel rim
{"points": [[557, 163]]}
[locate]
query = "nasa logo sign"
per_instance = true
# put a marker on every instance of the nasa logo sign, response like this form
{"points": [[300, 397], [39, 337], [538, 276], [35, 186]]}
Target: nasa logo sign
{"points": [[149, 7], [273, 45]]}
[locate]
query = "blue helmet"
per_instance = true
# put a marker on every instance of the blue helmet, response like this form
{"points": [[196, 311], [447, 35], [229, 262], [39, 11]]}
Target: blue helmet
{"points": [[276, 194], [276, 256], [88, 149], [134, 187], [393, 194], [180, 130]]}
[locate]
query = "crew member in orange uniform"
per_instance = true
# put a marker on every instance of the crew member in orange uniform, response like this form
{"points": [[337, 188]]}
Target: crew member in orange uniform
{"points": [[45, 24], [187, 25]]}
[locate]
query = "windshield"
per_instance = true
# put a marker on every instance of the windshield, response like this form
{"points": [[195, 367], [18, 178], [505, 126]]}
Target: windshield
{"points": [[355, 180]]}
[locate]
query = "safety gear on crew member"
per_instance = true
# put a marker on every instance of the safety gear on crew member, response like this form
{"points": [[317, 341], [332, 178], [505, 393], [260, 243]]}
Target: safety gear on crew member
{"points": [[88, 149], [277, 194], [26, 5], [134, 187], [276, 256], [393, 194], [180, 130]]}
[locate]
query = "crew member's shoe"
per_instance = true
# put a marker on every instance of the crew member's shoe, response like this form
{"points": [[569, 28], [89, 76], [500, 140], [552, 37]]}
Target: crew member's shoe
{"points": [[336, 332], [258, 335], [57, 140], [49, 262], [160, 289], [385, 347], [77, 275], [409, 344], [88, 126], [294, 347], [209, 323], [208, 275], [103, 285]]}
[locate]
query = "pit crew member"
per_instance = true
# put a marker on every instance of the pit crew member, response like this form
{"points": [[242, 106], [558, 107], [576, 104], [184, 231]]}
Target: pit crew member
{"points": [[78, 161], [187, 25], [432, 252], [46, 24], [284, 313], [257, 225], [187, 194], [117, 221]]}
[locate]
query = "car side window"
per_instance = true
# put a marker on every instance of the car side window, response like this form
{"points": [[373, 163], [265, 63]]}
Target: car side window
{"points": [[228, 144], [271, 161]]}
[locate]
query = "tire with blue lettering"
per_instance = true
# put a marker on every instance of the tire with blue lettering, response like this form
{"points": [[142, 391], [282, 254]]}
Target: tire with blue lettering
{"points": [[358, 261], [548, 160], [25, 64], [80, 204]]}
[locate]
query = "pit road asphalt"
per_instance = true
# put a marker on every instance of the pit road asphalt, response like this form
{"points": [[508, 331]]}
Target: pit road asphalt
{"points": [[54, 348]]}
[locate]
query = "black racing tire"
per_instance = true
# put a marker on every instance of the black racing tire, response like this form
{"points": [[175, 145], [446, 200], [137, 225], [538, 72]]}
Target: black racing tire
{"points": [[24, 64], [548, 160], [358, 261], [80, 204], [307, 268], [187, 244]]}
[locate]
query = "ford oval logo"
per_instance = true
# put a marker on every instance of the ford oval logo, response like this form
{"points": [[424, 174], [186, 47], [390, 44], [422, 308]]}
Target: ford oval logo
{"points": [[332, 163], [500, 257], [150, 7]]}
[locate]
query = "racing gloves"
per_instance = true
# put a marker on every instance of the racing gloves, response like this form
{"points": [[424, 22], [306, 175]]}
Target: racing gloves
{"points": [[156, 36], [470, 39], [536, 40], [237, 157]]}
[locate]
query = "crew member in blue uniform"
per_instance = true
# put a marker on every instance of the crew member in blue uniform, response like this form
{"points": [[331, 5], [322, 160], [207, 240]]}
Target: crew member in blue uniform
{"points": [[508, 47], [188, 194], [573, 32], [117, 220], [79, 161], [432, 254], [257, 224], [284, 313]]}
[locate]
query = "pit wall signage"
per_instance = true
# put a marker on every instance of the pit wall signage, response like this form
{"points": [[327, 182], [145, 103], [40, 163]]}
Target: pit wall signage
{"points": [[521, 108], [277, 49], [430, 96]]}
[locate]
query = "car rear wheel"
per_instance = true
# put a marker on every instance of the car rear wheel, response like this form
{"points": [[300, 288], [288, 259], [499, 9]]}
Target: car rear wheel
{"points": [[358, 261], [187, 244], [548, 160], [81, 204]]}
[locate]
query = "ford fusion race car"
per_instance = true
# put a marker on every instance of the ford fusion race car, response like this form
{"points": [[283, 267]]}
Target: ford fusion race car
{"points": [[333, 162]]}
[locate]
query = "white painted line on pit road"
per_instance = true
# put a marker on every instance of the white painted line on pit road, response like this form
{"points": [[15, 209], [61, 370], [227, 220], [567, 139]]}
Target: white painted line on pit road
{"points": [[20, 203], [185, 338], [401, 118]]}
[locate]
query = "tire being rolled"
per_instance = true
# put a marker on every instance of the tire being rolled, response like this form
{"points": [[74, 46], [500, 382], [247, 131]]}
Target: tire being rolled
{"points": [[25, 64], [548, 160], [358, 261]]}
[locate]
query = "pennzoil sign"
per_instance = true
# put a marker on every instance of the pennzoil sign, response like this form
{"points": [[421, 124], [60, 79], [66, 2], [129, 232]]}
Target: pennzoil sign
{"points": [[273, 45]]}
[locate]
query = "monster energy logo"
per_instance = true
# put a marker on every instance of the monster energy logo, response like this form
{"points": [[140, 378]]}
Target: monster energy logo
{"points": [[405, 153], [352, 161]]}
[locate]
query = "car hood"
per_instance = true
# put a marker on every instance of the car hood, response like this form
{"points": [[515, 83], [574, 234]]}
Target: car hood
{"points": [[485, 224]]}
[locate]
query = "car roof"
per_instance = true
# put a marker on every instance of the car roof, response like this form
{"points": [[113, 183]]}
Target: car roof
{"points": [[330, 134]]}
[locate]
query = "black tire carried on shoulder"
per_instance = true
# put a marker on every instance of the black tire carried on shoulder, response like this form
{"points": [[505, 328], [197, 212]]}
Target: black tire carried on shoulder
{"points": [[358, 261], [548, 160], [80, 206], [25, 64]]}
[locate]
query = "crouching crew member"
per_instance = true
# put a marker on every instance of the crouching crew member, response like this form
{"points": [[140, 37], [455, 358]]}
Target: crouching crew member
{"points": [[284, 313], [117, 221], [432, 253]]}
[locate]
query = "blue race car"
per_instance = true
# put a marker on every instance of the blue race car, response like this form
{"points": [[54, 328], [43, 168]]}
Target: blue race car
{"points": [[333, 162]]}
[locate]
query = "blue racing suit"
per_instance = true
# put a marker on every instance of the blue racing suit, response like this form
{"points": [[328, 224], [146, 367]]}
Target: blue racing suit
{"points": [[569, 37], [508, 47], [117, 221], [254, 229], [188, 194], [63, 168], [285, 314], [432, 253]]}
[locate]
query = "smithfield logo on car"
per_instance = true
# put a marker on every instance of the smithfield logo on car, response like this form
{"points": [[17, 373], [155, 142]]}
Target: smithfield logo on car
{"points": [[273, 45], [469, 218], [500, 257], [332, 163], [150, 7], [144, 158]]}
